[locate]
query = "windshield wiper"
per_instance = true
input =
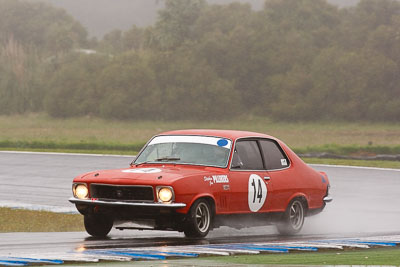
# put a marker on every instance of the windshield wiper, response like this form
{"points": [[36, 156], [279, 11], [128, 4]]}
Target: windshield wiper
{"points": [[144, 162], [168, 159], [156, 160]]}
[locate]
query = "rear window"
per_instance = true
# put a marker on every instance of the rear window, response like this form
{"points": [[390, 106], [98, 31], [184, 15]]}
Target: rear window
{"points": [[273, 155]]}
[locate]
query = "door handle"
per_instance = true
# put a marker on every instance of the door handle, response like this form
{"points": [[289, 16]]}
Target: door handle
{"points": [[267, 178]]}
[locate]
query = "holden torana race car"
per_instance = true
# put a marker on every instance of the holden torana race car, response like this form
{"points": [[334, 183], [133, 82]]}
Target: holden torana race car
{"points": [[195, 180]]}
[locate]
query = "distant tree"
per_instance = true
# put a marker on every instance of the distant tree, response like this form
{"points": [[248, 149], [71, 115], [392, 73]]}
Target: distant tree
{"points": [[190, 89], [129, 88], [72, 89], [365, 19], [112, 42], [286, 97], [134, 39], [175, 23], [49, 29], [353, 85], [20, 86]]}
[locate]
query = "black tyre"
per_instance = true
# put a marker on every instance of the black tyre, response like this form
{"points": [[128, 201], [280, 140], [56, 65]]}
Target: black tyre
{"points": [[199, 219], [98, 225], [293, 219]]}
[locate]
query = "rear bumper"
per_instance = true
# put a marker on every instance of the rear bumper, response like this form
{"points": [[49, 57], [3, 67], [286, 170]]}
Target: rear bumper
{"points": [[328, 199], [96, 202]]}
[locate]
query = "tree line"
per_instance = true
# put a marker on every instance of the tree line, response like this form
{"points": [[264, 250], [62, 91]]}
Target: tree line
{"points": [[294, 60]]}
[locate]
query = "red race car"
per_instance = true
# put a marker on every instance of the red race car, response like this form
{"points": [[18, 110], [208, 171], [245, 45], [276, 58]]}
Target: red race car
{"points": [[196, 180]]}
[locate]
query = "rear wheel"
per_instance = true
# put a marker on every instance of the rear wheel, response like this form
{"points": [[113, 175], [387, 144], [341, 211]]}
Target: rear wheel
{"points": [[98, 225], [199, 219], [293, 219]]}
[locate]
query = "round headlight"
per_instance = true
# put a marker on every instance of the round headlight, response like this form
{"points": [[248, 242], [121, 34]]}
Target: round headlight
{"points": [[81, 191], [165, 194]]}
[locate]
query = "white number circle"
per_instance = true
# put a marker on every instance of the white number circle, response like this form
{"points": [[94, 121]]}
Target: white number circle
{"points": [[257, 192]]}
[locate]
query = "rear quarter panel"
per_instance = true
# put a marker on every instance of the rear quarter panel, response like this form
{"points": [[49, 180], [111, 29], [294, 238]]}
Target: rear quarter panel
{"points": [[305, 181]]}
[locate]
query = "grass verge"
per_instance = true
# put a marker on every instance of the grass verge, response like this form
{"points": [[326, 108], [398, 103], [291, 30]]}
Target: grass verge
{"points": [[18, 220], [381, 256], [41, 128]]}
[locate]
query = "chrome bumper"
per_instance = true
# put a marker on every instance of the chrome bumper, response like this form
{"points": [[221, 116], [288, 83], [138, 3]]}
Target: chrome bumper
{"points": [[129, 204], [328, 199]]}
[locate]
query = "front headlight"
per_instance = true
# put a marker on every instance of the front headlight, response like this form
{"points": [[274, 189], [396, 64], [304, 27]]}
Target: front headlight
{"points": [[80, 191], [165, 194]]}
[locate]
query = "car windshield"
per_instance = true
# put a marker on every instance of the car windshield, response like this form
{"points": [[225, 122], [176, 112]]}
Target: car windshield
{"points": [[196, 150]]}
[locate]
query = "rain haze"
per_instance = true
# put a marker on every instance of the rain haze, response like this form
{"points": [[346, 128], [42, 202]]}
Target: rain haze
{"points": [[103, 16]]}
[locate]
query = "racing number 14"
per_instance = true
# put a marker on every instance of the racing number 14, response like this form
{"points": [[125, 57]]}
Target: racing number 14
{"points": [[257, 191]]}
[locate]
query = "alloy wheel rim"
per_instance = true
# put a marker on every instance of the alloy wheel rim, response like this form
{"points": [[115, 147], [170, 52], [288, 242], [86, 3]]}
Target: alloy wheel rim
{"points": [[202, 217], [296, 215]]}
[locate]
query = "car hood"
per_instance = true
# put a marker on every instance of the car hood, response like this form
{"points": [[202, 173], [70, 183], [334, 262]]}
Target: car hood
{"points": [[146, 175]]}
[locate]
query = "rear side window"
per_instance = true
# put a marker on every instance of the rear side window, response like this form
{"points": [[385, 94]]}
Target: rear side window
{"points": [[247, 156], [273, 155]]}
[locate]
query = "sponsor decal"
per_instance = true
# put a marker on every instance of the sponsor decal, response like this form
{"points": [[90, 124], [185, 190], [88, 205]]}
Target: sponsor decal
{"points": [[284, 162], [143, 170], [257, 192], [216, 179]]}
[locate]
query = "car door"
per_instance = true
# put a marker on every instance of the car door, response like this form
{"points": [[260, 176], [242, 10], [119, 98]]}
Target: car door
{"points": [[282, 180], [249, 186]]}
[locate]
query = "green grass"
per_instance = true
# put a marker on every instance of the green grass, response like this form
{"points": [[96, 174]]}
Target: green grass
{"points": [[388, 256], [38, 132], [41, 128], [18, 220]]}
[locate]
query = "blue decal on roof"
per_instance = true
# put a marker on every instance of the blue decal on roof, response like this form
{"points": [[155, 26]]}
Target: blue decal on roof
{"points": [[222, 142]]}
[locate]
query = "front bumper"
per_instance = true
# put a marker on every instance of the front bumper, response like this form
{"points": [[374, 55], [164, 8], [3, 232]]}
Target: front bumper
{"points": [[97, 202]]}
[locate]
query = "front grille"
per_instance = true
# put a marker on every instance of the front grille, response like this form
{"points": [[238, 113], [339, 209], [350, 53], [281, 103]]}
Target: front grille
{"points": [[128, 193]]}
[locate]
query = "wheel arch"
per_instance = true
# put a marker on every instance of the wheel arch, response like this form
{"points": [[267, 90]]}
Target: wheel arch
{"points": [[209, 198], [302, 197]]}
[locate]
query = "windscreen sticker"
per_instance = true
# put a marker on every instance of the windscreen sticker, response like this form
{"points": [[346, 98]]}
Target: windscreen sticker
{"points": [[257, 192], [222, 142], [143, 170], [284, 162], [215, 141], [216, 179]]}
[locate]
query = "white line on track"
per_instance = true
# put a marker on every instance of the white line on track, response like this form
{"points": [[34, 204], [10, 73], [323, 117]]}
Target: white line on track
{"points": [[65, 154], [27, 206], [355, 167]]}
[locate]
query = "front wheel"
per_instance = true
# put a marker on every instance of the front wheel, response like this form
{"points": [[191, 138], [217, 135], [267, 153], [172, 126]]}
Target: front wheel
{"points": [[98, 225], [293, 219], [199, 219]]}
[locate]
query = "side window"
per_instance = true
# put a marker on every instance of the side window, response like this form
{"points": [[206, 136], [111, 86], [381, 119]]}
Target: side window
{"points": [[274, 157], [247, 156]]}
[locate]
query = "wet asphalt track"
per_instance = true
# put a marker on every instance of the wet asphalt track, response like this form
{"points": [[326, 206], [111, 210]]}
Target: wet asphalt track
{"points": [[366, 202]]}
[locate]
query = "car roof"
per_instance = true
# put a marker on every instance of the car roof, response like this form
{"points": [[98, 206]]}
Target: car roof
{"points": [[230, 134]]}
